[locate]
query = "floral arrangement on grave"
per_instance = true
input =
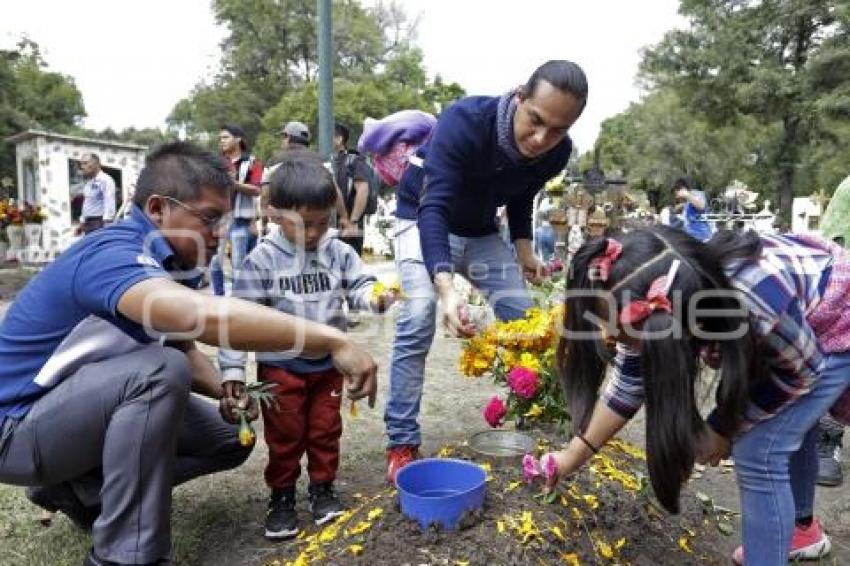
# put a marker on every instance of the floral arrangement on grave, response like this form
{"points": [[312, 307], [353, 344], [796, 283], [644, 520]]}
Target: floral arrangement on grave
{"points": [[520, 355], [10, 214], [33, 214]]}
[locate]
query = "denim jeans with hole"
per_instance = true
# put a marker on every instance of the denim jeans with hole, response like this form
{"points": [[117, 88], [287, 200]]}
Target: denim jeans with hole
{"points": [[489, 265], [242, 241], [777, 464]]}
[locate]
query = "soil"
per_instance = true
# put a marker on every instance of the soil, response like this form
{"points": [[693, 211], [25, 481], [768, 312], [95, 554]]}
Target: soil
{"points": [[582, 526]]}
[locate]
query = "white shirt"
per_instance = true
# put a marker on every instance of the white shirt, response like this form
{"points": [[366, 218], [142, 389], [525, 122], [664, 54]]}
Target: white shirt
{"points": [[99, 197]]}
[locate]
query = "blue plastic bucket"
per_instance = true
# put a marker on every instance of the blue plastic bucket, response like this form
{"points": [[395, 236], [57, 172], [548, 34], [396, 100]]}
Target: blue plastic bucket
{"points": [[440, 490]]}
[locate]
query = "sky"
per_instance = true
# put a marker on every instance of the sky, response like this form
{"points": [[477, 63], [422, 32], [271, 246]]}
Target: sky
{"points": [[134, 60]]}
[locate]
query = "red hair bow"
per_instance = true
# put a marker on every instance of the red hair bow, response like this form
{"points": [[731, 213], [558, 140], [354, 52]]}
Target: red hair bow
{"points": [[600, 267], [656, 300]]}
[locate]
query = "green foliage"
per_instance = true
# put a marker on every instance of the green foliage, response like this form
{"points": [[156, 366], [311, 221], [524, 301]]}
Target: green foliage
{"points": [[270, 62], [659, 140], [31, 97], [780, 63]]}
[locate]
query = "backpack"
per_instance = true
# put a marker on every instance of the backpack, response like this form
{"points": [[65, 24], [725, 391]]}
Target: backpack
{"points": [[371, 179]]}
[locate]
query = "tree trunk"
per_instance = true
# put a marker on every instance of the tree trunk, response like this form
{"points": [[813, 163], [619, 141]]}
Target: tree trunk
{"points": [[788, 165]]}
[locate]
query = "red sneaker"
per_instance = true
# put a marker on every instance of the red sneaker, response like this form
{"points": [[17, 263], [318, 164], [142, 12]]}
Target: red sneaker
{"points": [[398, 457], [808, 543]]}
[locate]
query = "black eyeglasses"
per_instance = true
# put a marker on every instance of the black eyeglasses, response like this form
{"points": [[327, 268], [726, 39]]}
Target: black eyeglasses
{"points": [[214, 223]]}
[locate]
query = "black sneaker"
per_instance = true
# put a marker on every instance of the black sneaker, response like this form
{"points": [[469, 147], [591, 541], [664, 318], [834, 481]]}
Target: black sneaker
{"points": [[282, 519], [829, 453], [324, 504], [61, 497]]}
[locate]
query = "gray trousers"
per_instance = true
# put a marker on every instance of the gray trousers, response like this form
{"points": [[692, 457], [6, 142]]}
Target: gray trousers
{"points": [[122, 432]]}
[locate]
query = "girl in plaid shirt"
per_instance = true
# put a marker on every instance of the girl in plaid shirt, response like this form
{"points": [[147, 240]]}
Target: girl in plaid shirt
{"points": [[770, 313]]}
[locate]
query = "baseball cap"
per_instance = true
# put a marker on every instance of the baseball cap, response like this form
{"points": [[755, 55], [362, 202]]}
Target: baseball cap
{"points": [[298, 131]]}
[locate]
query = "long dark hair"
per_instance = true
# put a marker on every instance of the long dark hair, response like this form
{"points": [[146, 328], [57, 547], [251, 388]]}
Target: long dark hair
{"points": [[670, 363]]}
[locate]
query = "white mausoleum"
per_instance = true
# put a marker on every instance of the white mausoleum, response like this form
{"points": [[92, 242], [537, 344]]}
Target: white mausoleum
{"points": [[49, 176]]}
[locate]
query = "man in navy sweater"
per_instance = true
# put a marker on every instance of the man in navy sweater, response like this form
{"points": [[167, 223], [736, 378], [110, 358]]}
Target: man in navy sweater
{"points": [[485, 152]]}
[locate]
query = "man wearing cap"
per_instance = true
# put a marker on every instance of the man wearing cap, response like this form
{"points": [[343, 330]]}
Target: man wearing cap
{"points": [[247, 173], [295, 136]]}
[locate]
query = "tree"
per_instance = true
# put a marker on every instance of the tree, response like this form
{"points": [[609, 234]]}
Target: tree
{"points": [[270, 62], [658, 140], [31, 97], [766, 59], [375, 96]]}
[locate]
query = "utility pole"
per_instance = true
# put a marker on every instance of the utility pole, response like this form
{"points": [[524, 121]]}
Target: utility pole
{"points": [[326, 85]]}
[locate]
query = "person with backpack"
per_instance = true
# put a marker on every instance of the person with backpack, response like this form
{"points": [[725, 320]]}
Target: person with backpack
{"points": [[354, 177]]}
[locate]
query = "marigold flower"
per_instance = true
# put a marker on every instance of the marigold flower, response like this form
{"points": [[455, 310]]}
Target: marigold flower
{"points": [[246, 435]]}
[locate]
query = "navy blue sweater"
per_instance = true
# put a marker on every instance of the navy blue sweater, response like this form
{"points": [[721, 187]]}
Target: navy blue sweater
{"points": [[466, 177]]}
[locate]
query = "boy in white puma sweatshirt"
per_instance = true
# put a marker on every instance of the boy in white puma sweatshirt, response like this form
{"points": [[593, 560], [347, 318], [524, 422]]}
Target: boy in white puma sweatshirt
{"points": [[300, 271]]}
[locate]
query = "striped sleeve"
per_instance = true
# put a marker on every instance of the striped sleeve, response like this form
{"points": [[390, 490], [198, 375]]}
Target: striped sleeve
{"points": [[624, 392]]}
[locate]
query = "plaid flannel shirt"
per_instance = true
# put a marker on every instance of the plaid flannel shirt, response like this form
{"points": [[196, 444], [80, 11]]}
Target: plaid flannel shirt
{"points": [[782, 291]]}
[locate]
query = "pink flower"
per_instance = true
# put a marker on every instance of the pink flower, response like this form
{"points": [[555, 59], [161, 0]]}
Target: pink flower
{"points": [[530, 468], [555, 265], [523, 382], [549, 465], [495, 411]]}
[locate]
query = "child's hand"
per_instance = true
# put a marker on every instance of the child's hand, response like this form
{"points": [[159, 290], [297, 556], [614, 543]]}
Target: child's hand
{"points": [[383, 296], [383, 301]]}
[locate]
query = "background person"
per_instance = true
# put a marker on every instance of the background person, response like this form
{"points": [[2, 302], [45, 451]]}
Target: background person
{"points": [[98, 195]]}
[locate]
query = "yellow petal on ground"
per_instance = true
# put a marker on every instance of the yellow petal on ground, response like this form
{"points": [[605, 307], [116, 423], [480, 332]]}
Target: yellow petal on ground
{"points": [[375, 513], [513, 485], [592, 501], [445, 452], [352, 410], [355, 549], [683, 544], [500, 527], [462, 563], [571, 559], [605, 550], [360, 527], [620, 544], [576, 513], [557, 532], [328, 534]]}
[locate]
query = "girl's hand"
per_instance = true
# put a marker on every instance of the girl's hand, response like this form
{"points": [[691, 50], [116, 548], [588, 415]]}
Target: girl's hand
{"points": [[566, 463]]}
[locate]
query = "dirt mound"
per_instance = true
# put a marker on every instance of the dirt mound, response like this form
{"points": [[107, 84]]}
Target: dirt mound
{"points": [[605, 515]]}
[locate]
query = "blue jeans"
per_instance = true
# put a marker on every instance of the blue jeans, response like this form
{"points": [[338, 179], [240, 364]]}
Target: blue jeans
{"points": [[242, 241], [544, 242], [489, 264], [777, 465]]}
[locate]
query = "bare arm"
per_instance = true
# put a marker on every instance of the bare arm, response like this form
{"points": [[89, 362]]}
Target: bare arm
{"points": [[361, 197], [604, 424], [170, 308]]}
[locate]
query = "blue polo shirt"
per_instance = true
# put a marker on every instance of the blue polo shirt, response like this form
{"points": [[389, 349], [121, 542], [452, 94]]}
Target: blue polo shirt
{"points": [[67, 316]]}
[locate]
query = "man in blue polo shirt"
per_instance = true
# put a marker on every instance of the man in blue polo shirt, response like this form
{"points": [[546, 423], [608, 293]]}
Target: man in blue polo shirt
{"points": [[485, 152], [98, 356]]}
